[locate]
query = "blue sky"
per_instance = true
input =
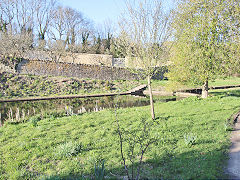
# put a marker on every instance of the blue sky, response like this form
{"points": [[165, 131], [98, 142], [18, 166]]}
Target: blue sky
{"points": [[101, 10], [97, 10]]}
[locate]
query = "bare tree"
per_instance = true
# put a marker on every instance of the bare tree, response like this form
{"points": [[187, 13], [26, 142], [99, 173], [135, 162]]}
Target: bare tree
{"points": [[25, 10], [63, 26], [14, 46], [74, 20], [58, 27], [145, 29], [6, 15], [57, 42], [68, 24], [56, 49], [44, 17], [16, 35]]}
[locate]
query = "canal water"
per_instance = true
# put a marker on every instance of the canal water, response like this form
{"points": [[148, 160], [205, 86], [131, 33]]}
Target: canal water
{"points": [[18, 110]]}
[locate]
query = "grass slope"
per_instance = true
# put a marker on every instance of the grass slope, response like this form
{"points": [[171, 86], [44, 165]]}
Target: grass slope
{"points": [[68, 147], [13, 85]]}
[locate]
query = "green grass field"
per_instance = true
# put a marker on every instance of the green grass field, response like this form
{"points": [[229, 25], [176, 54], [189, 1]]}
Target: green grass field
{"points": [[192, 142], [164, 84], [226, 81]]}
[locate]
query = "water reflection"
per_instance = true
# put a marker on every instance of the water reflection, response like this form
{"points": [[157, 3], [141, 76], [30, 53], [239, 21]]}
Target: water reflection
{"points": [[13, 111]]}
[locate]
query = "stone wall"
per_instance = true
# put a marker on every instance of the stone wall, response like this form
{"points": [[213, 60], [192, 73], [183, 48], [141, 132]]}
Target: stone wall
{"points": [[91, 59], [38, 67], [77, 58], [45, 66]]}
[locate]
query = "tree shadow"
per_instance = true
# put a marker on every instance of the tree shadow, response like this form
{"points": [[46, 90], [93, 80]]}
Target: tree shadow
{"points": [[187, 165], [191, 164], [65, 177], [234, 93]]}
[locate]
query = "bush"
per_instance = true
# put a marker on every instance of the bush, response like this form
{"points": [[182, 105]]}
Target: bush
{"points": [[68, 149]]}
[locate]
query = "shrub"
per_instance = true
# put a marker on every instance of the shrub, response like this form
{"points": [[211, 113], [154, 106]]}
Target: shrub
{"points": [[68, 149]]}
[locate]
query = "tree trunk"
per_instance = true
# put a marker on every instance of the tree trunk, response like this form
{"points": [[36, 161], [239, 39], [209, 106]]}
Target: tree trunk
{"points": [[151, 97], [205, 90]]}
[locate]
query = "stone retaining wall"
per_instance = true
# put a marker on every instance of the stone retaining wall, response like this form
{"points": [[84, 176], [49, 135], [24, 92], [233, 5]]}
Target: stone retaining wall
{"points": [[91, 59], [77, 58], [68, 69], [37, 67]]}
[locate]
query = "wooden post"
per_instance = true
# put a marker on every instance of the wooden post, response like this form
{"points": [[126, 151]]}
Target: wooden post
{"points": [[1, 121]]}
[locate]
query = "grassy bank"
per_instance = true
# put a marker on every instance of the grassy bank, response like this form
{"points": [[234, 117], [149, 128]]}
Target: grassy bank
{"points": [[13, 85], [69, 147]]}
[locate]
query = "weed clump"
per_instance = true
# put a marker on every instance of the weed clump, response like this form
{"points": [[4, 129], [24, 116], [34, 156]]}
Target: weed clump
{"points": [[99, 170], [190, 139], [34, 120], [68, 149]]}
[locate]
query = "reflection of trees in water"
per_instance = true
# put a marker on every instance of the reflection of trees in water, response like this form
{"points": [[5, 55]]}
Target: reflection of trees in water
{"points": [[76, 105]]}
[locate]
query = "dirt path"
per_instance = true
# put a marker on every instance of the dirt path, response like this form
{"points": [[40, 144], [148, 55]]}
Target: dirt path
{"points": [[233, 168]]}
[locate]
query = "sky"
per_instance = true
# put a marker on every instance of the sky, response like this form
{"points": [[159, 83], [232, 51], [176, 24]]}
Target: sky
{"points": [[100, 11], [97, 10]]}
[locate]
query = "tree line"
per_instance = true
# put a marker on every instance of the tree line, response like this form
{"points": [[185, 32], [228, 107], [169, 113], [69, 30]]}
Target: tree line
{"points": [[47, 25]]}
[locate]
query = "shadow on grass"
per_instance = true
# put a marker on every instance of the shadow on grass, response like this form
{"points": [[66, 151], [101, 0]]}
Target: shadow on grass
{"points": [[65, 177], [225, 93], [187, 165], [193, 164]]}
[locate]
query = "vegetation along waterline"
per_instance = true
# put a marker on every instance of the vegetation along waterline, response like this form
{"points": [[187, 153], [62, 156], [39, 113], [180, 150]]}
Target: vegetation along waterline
{"points": [[22, 111], [192, 142]]}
